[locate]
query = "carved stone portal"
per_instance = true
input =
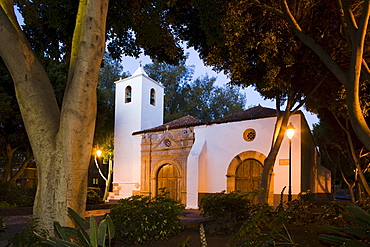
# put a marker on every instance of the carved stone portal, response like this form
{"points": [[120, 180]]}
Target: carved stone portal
{"points": [[164, 162]]}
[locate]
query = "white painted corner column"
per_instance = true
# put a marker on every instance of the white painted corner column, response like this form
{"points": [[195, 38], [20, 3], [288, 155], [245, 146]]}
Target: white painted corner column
{"points": [[192, 185]]}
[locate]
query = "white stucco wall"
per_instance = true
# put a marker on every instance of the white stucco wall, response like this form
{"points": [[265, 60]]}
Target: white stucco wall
{"points": [[225, 141], [134, 116]]}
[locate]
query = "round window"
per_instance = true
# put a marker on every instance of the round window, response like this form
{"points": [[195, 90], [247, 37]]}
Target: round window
{"points": [[249, 135]]}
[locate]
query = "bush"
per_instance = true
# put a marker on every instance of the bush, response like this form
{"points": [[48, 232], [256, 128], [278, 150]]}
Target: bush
{"points": [[264, 227], [299, 212], [356, 231], [27, 237], [94, 195], [2, 227], [17, 195], [4, 204], [364, 203], [67, 236], [333, 214], [141, 219], [235, 206]]}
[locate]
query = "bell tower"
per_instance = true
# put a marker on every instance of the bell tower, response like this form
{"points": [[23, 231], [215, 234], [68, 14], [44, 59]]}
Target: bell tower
{"points": [[139, 106]]}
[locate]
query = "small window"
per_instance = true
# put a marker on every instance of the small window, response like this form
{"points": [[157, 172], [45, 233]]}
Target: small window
{"points": [[249, 135], [152, 96], [128, 94]]}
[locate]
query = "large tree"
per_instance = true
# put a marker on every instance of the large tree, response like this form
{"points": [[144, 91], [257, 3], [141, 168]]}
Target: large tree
{"points": [[335, 136], [200, 98], [15, 151], [61, 139], [73, 32], [331, 28], [253, 49]]}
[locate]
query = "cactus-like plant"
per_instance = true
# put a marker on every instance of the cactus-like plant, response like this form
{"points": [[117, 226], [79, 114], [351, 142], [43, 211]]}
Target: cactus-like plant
{"points": [[97, 236]]}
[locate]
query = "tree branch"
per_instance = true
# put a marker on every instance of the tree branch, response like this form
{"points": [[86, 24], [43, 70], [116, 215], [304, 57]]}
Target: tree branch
{"points": [[311, 43], [358, 45], [21, 169], [310, 94], [268, 8], [35, 95]]}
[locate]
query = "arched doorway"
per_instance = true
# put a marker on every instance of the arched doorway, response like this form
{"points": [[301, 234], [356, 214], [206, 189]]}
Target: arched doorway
{"points": [[168, 177], [237, 161], [248, 175]]}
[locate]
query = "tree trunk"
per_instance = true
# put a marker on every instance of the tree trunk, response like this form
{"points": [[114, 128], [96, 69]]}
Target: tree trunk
{"points": [[268, 164], [61, 141]]}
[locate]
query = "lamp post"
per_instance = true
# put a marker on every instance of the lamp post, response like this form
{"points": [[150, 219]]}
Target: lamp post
{"points": [[106, 179], [290, 133], [98, 153]]}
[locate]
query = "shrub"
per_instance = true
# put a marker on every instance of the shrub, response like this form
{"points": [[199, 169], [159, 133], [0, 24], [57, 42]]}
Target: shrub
{"points": [[234, 206], [305, 195], [355, 233], [94, 195], [67, 236], [17, 195], [2, 226], [364, 203], [27, 237], [333, 214], [264, 227], [299, 212], [4, 204], [141, 219]]}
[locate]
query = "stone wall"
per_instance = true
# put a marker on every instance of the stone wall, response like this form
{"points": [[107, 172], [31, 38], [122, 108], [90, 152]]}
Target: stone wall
{"points": [[161, 148]]}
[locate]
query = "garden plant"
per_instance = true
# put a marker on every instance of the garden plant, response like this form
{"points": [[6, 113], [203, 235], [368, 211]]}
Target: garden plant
{"points": [[142, 219], [75, 237]]}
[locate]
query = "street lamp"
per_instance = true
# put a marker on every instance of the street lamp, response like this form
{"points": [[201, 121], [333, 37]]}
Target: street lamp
{"points": [[98, 153], [109, 177], [290, 133]]}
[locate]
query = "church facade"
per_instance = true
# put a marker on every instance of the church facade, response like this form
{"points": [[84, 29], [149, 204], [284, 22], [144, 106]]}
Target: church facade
{"points": [[192, 159]]}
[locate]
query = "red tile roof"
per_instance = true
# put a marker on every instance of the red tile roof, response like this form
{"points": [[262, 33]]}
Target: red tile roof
{"points": [[251, 113], [188, 121]]}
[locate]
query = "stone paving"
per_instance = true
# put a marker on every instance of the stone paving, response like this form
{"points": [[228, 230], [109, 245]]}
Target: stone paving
{"points": [[190, 218]]}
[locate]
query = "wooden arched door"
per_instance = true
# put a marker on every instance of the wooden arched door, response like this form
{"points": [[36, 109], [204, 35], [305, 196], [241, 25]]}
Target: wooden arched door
{"points": [[168, 177], [248, 175]]}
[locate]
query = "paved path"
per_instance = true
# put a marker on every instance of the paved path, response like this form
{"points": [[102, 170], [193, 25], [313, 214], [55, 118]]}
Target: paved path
{"points": [[190, 218]]}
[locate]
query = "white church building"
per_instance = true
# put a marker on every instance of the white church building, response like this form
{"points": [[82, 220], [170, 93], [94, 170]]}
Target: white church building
{"points": [[192, 159]]}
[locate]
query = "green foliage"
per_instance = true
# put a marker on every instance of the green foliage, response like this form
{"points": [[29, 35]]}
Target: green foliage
{"points": [[141, 219], [199, 98], [2, 226], [17, 195], [184, 243], [235, 206], [333, 214], [4, 204], [132, 27], [94, 195], [74, 237], [264, 228], [299, 212], [356, 233], [26, 237], [364, 203]]}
